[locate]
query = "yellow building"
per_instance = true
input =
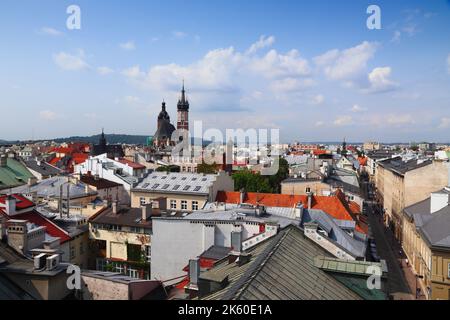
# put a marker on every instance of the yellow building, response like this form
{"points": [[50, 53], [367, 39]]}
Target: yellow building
{"points": [[120, 240], [426, 242], [182, 191], [402, 183]]}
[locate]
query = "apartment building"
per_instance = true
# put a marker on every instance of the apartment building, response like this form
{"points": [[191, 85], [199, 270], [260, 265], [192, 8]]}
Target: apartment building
{"points": [[183, 191], [402, 183]]}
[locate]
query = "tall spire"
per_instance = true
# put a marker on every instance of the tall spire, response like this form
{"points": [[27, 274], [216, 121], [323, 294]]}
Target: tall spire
{"points": [[183, 103]]}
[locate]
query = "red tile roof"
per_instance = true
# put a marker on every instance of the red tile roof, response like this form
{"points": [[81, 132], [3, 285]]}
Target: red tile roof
{"points": [[363, 161], [35, 217], [79, 157], [336, 206], [131, 164], [54, 161], [21, 202]]}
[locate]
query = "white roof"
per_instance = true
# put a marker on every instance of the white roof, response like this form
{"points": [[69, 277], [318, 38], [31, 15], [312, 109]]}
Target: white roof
{"points": [[193, 183]]}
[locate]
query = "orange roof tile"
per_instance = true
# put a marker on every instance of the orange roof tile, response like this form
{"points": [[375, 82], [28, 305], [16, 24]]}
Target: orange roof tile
{"points": [[332, 205]]}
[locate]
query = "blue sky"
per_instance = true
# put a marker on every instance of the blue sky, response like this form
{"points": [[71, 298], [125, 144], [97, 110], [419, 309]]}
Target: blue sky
{"points": [[310, 68]]}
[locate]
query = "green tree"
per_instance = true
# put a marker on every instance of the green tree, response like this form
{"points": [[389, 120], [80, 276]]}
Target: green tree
{"points": [[170, 168], [207, 168]]}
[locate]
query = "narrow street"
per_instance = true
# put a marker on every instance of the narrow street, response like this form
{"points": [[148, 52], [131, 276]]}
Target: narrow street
{"points": [[389, 250]]}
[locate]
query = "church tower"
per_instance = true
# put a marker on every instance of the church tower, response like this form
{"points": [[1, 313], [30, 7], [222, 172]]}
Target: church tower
{"points": [[183, 111]]}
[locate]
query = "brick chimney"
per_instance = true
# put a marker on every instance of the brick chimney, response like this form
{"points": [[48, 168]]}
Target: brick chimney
{"points": [[3, 161], [310, 195], [146, 212], [17, 235], [10, 205], [115, 207]]}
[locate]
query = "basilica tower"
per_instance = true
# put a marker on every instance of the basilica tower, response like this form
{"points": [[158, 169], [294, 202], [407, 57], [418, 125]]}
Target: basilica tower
{"points": [[183, 111]]}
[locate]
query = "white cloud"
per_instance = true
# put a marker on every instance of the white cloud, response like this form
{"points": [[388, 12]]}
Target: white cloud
{"points": [[50, 31], [379, 80], [445, 123], [319, 124], [397, 36], [291, 84], [70, 62], [179, 34], [346, 64], [133, 72], [343, 121], [263, 42], [399, 119], [275, 65], [128, 46], [48, 115], [357, 108], [318, 99], [104, 71], [128, 100]]}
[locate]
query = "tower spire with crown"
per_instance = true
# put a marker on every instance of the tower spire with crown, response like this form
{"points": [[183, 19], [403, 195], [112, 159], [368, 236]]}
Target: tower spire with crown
{"points": [[183, 111]]}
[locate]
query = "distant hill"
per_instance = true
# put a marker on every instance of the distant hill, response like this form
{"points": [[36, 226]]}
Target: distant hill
{"points": [[111, 138]]}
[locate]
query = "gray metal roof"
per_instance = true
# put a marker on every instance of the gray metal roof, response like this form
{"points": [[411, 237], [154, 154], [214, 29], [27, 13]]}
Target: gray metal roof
{"points": [[42, 167], [281, 268], [355, 247], [51, 188], [400, 166], [191, 183], [435, 227], [10, 291]]}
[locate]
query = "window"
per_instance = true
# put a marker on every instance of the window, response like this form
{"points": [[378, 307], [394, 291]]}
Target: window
{"points": [[308, 189], [116, 227], [135, 230], [165, 187], [142, 201], [186, 188], [197, 188], [183, 205], [156, 185], [176, 187], [194, 205], [173, 204]]}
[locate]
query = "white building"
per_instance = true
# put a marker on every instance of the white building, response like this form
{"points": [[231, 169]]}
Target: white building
{"points": [[120, 171], [177, 240]]}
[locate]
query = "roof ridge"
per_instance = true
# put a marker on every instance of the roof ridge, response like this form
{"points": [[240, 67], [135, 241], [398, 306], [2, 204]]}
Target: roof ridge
{"points": [[236, 290]]}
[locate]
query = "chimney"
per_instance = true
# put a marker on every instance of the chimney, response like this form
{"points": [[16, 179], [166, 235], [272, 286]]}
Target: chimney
{"points": [[236, 242], [299, 211], [60, 203], [32, 181], [68, 200], [10, 205], [439, 200], [3, 161], [194, 275], [146, 212], [115, 207], [242, 196], [17, 235], [309, 200]]}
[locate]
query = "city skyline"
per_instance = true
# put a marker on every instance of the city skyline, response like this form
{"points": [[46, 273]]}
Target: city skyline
{"points": [[312, 70]]}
